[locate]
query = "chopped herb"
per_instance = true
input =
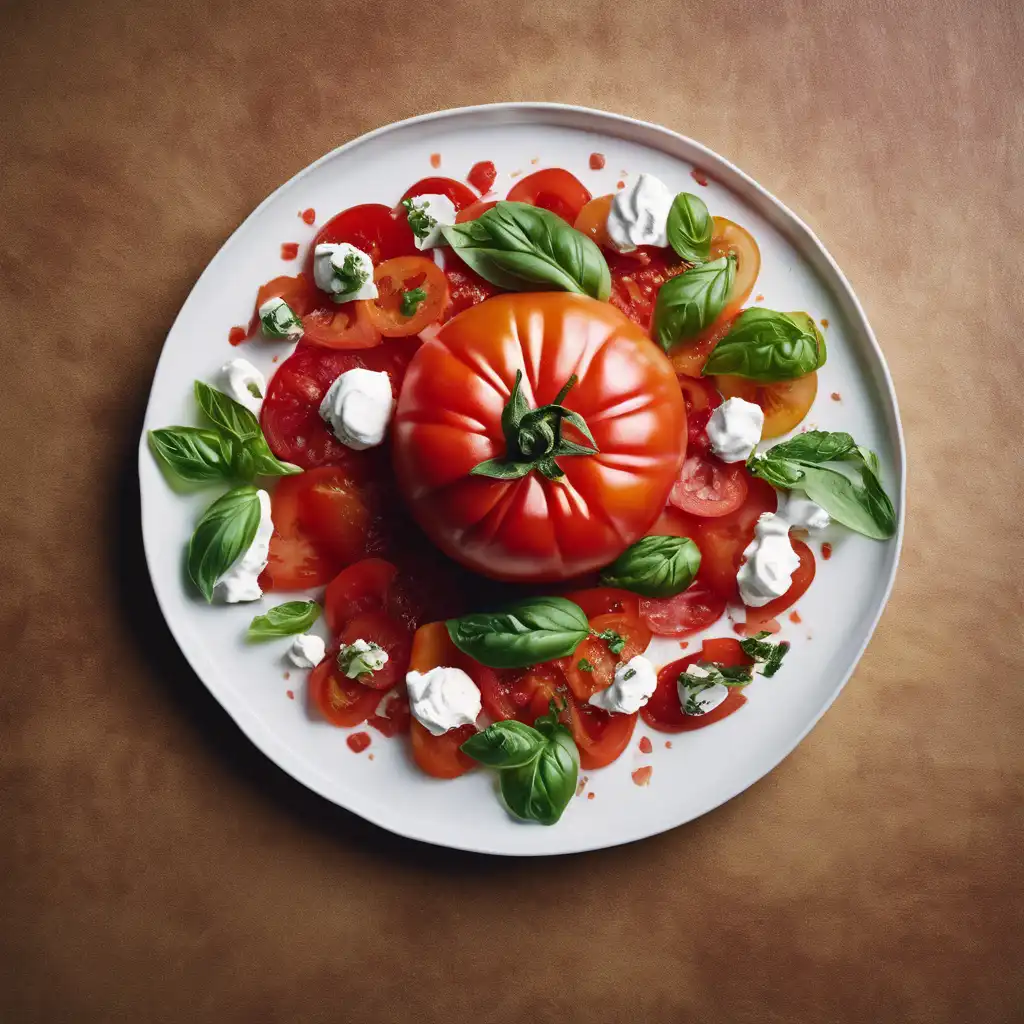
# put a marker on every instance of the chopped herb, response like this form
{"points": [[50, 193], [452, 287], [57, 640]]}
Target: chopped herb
{"points": [[279, 321], [420, 222], [711, 674], [629, 673], [411, 301], [254, 390], [693, 706], [769, 655], [615, 641], [584, 666], [361, 658], [351, 274]]}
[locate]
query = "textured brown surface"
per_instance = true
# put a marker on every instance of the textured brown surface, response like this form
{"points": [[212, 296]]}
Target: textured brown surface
{"points": [[155, 867]]}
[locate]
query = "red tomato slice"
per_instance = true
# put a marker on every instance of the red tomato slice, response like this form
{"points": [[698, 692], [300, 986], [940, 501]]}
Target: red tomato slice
{"points": [[382, 233], [701, 399], [664, 712], [360, 588], [600, 737], [637, 277], [597, 654], [398, 715], [802, 578], [342, 701], [694, 609], [474, 211], [481, 175], [709, 487], [722, 540], [465, 288], [605, 601], [297, 560], [395, 277], [553, 189], [291, 412], [689, 357], [390, 634], [346, 326], [333, 515], [459, 194]]}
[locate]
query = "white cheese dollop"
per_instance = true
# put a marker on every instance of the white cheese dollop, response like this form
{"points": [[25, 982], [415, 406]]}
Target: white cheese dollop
{"points": [[639, 214], [770, 562], [361, 656], [705, 698], [307, 651], [443, 699], [798, 510], [358, 406], [236, 377], [440, 210], [734, 429], [329, 258], [634, 683], [241, 581]]}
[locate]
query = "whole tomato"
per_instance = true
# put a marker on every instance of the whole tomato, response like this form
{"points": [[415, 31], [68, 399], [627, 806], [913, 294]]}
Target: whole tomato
{"points": [[538, 435]]}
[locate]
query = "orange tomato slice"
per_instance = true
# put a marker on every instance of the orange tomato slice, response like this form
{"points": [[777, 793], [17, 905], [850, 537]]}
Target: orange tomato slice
{"points": [[784, 404], [396, 277], [593, 218], [345, 326], [731, 238]]}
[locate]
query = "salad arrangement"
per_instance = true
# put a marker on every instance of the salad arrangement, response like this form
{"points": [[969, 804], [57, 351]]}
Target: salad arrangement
{"points": [[514, 440]]}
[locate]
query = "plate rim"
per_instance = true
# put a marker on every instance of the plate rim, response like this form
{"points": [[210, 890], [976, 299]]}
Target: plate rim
{"points": [[256, 730]]}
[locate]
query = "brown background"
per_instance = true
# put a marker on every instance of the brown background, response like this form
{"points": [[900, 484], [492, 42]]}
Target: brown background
{"points": [[155, 867]]}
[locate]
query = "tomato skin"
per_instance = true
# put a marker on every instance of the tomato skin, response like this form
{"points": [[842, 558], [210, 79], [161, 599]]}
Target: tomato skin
{"points": [[362, 587], [802, 579], [389, 633], [784, 404], [709, 487], [393, 277], [481, 175], [533, 529], [553, 189], [664, 712], [382, 233], [342, 701], [602, 674], [460, 195], [694, 609]]}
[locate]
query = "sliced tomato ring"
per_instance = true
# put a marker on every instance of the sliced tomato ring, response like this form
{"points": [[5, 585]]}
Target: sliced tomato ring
{"points": [[694, 609], [387, 632], [382, 233], [784, 404], [474, 211], [594, 652], [600, 737], [461, 195], [515, 694], [347, 325], [803, 576], [709, 487], [362, 587], [405, 274], [730, 238], [605, 601], [553, 189], [592, 220], [342, 701]]}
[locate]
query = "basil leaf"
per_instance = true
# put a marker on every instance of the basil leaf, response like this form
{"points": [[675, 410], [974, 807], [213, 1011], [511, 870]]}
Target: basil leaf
{"points": [[541, 790], [655, 566], [507, 744], [193, 454], [254, 458], [525, 633], [284, 620], [765, 652], [235, 420], [690, 228], [815, 446], [524, 248], [692, 300], [767, 346], [223, 535]]}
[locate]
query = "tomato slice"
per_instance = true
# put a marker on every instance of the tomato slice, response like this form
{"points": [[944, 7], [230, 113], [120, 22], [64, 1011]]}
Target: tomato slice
{"points": [[460, 195], [382, 233], [360, 588], [299, 292], [592, 220], [688, 359], [481, 175], [730, 238], [802, 578], [395, 277], [637, 278], [605, 601], [389, 633], [474, 211], [722, 540], [784, 404], [342, 701], [553, 189], [291, 411], [465, 288], [664, 712], [595, 652], [694, 609], [348, 325], [600, 737], [398, 714], [709, 487], [333, 515], [701, 399]]}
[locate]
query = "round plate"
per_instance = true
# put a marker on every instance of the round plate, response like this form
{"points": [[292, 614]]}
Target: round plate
{"points": [[702, 769]]}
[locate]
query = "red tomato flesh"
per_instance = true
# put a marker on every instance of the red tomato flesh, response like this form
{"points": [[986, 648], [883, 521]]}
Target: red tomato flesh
{"points": [[552, 189], [481, 175], [460, 195]]}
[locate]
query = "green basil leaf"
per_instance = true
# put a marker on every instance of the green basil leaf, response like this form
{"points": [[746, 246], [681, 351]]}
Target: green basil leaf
{"points": [[254, 458], [815, 447], [857, 502], [655, 566], [508, 744], [778, 472], [765, 652], [692, 300], [193, 454], [525, 248], [235, 420], [522, 634], [690, 228], [767, 346], [223, 535], [541, 789], [284, 620]]}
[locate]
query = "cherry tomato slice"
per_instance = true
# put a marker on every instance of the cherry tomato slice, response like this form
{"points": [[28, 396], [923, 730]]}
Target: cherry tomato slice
{"points": [[802, 578], [342, 701], [592, 220], [348, 325], [596, 653], [553, 189], [460, 195], [694, 609], [474, 211], [605, 601], [481, 175], [390, 634], [709, 487], [360, 588], [784, 404], [405, 274], [382, 233]]}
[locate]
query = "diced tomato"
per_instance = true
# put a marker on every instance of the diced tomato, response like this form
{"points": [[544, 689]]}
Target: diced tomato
{"points": [[342, 701], [709, 487], [595, 652], [481, 175], [605, 601], [465, 288], [396, 277], [460, 195], [360, 588], [553, 189], [382, 233], [694, 609], [387, 632], [802, 578], [637, 277]]}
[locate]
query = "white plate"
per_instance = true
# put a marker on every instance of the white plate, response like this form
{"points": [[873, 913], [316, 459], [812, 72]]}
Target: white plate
{"points": [[702, 769]]}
